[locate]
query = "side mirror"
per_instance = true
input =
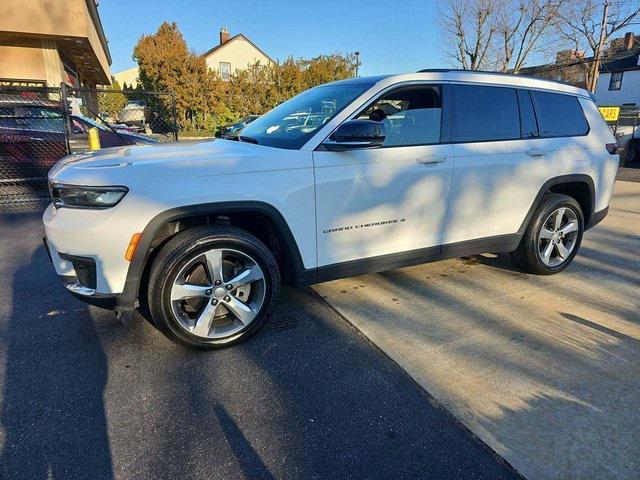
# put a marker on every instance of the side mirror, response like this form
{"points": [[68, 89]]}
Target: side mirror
{"points": [[355, 134]]}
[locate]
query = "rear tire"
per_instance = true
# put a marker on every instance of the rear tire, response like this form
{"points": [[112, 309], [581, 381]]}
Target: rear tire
{"points": [[212, 287], [552, 238]]}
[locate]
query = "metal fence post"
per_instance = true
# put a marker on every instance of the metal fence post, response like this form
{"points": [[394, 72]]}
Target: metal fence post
{"points": [[65, 115], [175, 117]]}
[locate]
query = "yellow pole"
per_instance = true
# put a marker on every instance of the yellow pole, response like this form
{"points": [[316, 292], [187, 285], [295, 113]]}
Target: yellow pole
{"points": [[94, 139]]}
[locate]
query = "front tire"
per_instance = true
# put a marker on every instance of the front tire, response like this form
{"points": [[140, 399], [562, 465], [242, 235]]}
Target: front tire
{"points": [[213, 287], [552, 238]]}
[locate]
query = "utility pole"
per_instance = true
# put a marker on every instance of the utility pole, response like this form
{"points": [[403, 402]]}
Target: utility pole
{"points": [[595, 67]]}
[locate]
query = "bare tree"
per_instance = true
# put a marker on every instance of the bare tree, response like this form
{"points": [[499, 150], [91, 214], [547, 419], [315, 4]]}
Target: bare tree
{"points": [[590, 24], [470, 27], [525, 28]]}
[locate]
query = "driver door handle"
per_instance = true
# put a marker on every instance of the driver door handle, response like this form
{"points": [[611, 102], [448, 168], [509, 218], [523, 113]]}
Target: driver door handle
{"points": [[431, 159], [536, 152]]}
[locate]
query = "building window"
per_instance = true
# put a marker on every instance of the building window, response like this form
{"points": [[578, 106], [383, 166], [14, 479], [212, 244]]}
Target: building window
{"points": [[225, 71], [615, 82]]}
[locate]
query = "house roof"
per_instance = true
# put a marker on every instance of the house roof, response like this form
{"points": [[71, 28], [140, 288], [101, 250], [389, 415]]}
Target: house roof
{"points": [[621, 62], [235, 37]]}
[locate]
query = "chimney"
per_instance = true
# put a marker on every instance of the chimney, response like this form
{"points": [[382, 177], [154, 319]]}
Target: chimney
{"points": [[628, 41], [224, 35]]}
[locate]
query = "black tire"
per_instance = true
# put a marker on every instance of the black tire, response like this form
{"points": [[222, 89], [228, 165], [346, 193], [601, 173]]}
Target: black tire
{"points": [[186, 246], [527, 256]]}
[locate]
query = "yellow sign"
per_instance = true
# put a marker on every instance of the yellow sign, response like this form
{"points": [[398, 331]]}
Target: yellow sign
{"points": [[610, 114]]}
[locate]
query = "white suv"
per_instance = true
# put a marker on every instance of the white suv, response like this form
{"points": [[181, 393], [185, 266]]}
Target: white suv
{"points": [[351, 177]]}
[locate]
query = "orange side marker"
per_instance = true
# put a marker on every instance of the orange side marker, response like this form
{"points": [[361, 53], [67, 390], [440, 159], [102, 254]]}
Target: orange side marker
{"points": [[133, 244]]}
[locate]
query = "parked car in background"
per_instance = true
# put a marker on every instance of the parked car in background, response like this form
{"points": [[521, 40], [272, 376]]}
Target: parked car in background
{"points": [[34, 132], [136, 114], [233, 130], [351, 177]]}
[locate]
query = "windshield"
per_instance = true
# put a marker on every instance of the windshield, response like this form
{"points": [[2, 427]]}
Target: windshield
{"points": [[292, 123]]}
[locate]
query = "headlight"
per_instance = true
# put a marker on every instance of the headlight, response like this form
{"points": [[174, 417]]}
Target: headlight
{"points": [[73, 196]]}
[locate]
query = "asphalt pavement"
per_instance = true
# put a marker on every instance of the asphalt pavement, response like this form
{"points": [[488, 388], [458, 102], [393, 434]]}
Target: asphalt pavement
{"points": [[84, 397]]}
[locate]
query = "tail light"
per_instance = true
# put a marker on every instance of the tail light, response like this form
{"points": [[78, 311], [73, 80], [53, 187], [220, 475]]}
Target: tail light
{"points": [[612, 148]]}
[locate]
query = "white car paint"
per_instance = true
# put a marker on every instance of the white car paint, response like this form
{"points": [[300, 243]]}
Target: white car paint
{"points": [[472, 191]]}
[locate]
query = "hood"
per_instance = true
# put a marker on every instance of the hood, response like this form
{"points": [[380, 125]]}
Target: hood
{"points": [[115, 158]]}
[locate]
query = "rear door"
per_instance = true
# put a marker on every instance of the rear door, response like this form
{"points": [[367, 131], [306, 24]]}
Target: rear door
{"points": [[500, 162]]}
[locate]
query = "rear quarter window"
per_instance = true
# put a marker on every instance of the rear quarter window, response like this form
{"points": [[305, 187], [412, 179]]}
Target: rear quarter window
{"points": [[559, 115]]}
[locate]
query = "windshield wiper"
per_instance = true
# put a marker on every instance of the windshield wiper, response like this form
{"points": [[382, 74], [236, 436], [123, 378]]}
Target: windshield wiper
{"points": [[242, 138]]}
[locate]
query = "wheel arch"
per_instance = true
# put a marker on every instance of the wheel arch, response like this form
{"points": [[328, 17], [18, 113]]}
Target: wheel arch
{"points": [[575, 185], [249, 215]]}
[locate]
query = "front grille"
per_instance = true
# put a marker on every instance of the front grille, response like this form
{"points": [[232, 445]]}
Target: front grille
{"points": [[85, 268]]}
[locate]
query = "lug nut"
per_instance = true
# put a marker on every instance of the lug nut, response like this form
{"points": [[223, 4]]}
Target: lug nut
{"points": [[207, 292], [218, 282], [214, 302], [227, 298], [229, 287]]}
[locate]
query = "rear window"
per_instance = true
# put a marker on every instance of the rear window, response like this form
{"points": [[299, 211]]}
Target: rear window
{"points": [[482, 114], [559, 115]]}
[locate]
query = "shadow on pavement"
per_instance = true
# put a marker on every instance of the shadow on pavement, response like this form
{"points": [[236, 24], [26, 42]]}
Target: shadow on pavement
{"points": [[53, 413]]}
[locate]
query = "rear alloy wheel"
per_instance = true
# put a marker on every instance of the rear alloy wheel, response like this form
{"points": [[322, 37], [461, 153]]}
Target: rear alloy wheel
{"points": [[212, 287], [558, 236], [552, 238]]}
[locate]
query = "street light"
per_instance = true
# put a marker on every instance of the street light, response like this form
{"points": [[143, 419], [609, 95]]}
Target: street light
{"points": [[357, 54]]}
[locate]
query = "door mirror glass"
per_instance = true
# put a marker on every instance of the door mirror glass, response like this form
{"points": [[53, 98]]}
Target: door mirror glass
{"points": [[355, 134]]}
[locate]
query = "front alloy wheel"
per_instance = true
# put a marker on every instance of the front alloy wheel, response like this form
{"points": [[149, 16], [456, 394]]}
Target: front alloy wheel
{"points": [[212, 286], [218, 293]]}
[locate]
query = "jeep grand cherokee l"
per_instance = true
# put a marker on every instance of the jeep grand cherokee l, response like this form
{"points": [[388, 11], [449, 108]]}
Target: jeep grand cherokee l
{"points": [[401, 170]]}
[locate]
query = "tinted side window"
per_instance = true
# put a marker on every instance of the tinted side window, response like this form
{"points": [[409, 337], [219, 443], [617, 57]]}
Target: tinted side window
{"points": [[528, 125], [559, 115], [485, 114], [411, 115]]}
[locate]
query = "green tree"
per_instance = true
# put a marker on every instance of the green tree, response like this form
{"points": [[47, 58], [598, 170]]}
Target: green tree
{"points": [[112, 100], [166, 65]]}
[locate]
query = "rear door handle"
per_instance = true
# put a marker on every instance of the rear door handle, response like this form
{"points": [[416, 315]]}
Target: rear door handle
{"points": [[536, 152], [430, 159]]}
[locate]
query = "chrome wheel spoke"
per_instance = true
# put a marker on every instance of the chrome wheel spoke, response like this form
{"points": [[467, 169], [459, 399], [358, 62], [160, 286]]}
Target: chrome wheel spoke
{"points": [[243, 312], [249, 275], [188, 290], [558, 219], [563, 252], [546, 234], [204, 321], [568, 228], [214, 265], [546, 254]]}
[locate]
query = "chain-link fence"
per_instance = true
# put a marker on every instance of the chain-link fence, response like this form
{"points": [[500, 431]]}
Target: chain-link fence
{"points": [[40, 125]]}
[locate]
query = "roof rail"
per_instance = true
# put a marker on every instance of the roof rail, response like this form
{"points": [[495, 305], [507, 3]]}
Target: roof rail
{"points": [[488, 72]]}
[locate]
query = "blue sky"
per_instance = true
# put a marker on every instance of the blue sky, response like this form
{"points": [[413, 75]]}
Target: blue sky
{"points": [[392, 37]]}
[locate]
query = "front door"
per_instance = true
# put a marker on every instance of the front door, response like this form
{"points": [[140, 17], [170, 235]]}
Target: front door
{"points": [[394, 199]]}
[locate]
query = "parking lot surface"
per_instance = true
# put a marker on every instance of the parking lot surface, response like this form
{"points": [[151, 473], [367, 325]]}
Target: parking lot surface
{"points": [[84, 397], [546, 370]]}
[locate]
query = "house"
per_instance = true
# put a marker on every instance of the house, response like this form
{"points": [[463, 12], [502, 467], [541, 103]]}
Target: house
{"points": [[230, 55], [128, 77], [47, 42], [234, 53], [619, 80], [570, 67]]}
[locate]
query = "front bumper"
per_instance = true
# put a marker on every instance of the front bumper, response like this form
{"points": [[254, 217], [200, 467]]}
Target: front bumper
{"points": [[87, 250]]}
